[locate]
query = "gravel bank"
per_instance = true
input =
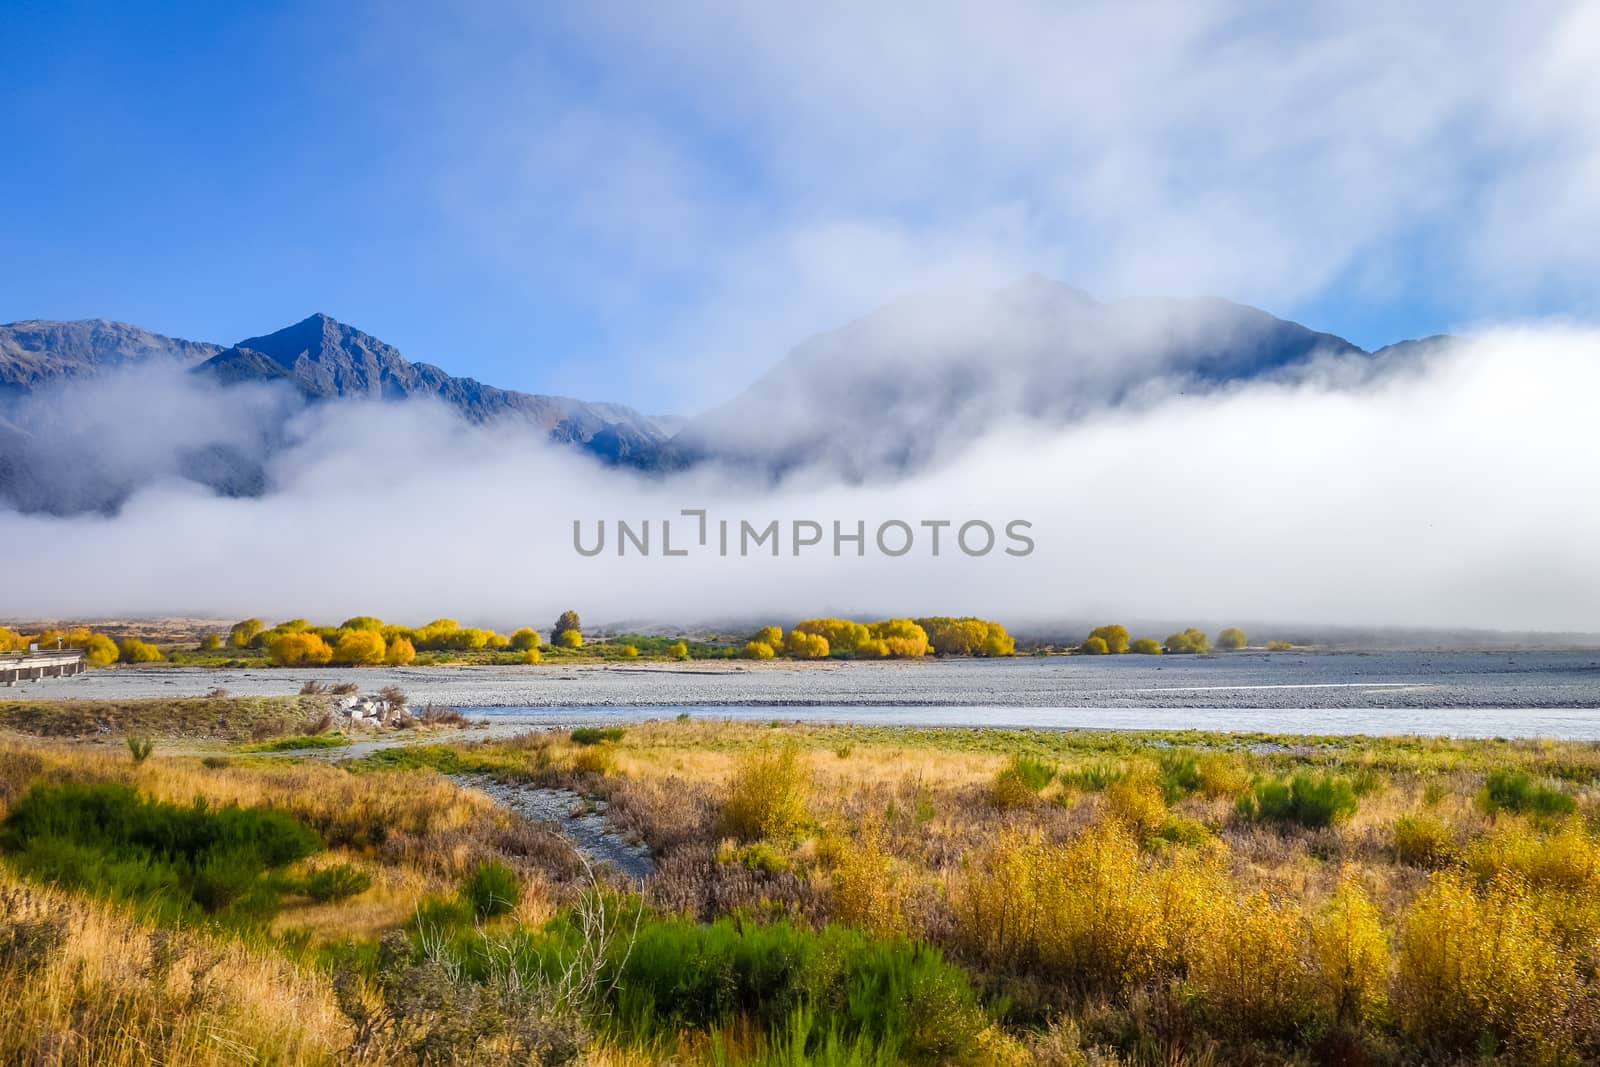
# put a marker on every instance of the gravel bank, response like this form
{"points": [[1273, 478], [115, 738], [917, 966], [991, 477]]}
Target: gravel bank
{"points": [[1240, 680]]}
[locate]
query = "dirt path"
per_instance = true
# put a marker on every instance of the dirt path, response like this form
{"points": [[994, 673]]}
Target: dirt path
{"points": [[580, 821]]}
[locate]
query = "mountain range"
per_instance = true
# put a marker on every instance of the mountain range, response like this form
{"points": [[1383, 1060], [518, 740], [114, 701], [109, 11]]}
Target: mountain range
{"points": [[895, 390]]}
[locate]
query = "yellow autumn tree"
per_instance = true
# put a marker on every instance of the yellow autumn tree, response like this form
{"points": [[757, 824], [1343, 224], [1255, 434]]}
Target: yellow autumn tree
{"points": [[360, 648], [133, 650], [802, 645], [401, 652], [100, 651], [298, 649], [967, 636], [759, 650], [903, 638], [524, 639], [842, 635], [1115, 637], [242, 633]]}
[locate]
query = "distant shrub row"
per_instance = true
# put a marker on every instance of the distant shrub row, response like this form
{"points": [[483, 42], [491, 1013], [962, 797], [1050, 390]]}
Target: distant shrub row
{"points": [[888, 639]]}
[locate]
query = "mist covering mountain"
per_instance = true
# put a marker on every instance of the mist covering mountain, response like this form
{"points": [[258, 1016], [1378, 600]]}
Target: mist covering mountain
{"points": [[91, 411], [910, 383]]}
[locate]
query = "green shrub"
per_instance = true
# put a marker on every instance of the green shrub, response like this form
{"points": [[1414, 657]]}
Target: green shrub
{"points": [[1092, 777], [594, 735], [834, 987], [1035, 773], [105, 839], [1515, 791], [492, 889], [140, 748], [1309, 800], [338, 882], [1146, 646], [295, 742]]}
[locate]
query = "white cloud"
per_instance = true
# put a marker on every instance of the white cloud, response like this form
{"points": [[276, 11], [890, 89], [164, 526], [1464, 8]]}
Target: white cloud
{"points": [[1460, 496], [729, 177]]}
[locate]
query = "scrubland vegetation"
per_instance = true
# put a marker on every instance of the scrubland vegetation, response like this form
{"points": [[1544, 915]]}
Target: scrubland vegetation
{"points": [[368, 641], [820, 895]]}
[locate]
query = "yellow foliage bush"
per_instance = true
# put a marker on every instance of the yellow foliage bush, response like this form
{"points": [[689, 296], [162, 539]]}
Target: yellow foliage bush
{"points": [[902, 637], [1093, 912], [867, 889], [1220, 775], [401, 652], [241, 634], [100, 650], [10, 640], [1248, 967], [133, 650], [1114, 636], [1424, 840], [524, 639], [758, 650], [872, 648], [532, 656], [596, 759], [1475, 965], [361, 648], [841, 634], [1350, 955], [803, 645], [1094, 646], [298, 649], [679, 650], [1566, 859], [768, 635], [768, 795], [569, 639], [1136, 799], [966, 636]]}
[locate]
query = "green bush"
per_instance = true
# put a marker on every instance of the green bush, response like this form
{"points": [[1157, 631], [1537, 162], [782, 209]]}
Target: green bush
{"points": [[1309, 800], [1092, 777], [338, 882], [1034, 773], [1515, 791], [190, 861], [140, 748], [492, 889], [594, 735], [897, 996], [1146, 646]]}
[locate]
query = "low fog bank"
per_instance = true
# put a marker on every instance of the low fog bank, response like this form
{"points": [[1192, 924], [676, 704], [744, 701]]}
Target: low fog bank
{"points": [[1460, 495]]}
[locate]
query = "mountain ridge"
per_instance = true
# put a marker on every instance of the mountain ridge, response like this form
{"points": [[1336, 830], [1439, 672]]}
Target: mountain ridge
{"points": [[896, 389]]}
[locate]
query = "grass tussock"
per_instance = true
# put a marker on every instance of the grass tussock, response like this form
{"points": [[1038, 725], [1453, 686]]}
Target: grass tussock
{"points": [[863, 895]]}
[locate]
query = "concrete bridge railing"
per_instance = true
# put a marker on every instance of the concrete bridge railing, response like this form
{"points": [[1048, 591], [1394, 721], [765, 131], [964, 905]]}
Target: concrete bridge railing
{"points": [[29, 666]]}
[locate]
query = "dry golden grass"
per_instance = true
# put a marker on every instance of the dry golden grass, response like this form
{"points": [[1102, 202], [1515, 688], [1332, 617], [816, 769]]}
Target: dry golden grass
{"points": [[114, 994]]}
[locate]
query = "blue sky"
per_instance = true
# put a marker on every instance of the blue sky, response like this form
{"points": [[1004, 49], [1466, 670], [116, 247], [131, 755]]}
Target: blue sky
{"points": [[650, 204]]}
